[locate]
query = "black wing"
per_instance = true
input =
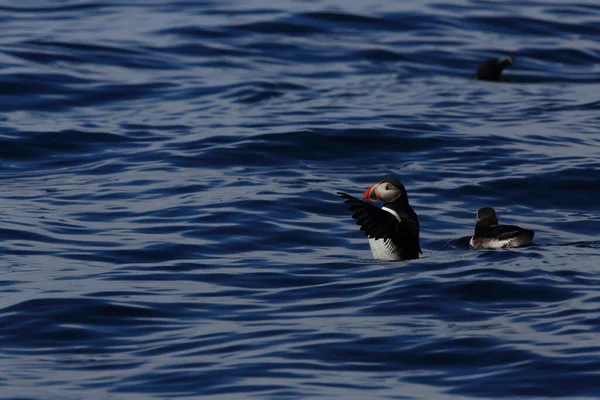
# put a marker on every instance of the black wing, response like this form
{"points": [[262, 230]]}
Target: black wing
{"points": [[500, 232], [380, 224]]}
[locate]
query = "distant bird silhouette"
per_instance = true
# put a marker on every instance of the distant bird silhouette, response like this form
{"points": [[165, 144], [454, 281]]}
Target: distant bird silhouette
{"points": [[491, 70]]}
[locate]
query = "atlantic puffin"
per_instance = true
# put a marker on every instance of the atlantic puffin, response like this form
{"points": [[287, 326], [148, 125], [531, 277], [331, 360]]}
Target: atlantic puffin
{"points": [[489, 234], [491, 69], [393, 230]]}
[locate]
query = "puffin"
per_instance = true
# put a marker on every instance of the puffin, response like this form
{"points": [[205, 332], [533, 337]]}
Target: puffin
{"points": [[489, 234], [393, 230], [491, 69]]}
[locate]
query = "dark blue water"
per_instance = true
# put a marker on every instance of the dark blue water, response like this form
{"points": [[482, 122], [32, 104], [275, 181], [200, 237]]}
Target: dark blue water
{"points": [[169, 224]]}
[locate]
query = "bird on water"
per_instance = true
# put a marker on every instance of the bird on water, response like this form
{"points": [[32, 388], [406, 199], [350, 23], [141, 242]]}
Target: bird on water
{"points": [[489, 234], [393, 230], [491, 69]]}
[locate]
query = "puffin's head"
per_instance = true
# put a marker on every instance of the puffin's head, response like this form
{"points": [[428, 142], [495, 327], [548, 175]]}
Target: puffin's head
{"points": [[487, 213], [388, 190]]}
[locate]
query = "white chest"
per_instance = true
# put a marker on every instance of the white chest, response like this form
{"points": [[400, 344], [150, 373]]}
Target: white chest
{"points": [[490, 243], [384, 249]]}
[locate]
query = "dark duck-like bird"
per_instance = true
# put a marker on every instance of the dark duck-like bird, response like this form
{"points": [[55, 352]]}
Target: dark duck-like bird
{"points": [[491, 235], [491, 69], [393, 230]]}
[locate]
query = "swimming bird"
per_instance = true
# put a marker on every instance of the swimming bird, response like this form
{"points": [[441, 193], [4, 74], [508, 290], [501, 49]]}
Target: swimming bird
{"points": [[489, 234], [491, 69], [393, 230]]}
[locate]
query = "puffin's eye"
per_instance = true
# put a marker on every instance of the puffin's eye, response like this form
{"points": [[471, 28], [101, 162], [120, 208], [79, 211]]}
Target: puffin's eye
{"points": [[387, 187]]}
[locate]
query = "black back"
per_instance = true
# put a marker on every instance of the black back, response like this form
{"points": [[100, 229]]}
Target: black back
{"points": [[488, 227], [483, 229]]}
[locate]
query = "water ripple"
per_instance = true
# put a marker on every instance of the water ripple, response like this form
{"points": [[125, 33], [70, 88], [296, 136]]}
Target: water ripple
{"points": [[170, 226]]}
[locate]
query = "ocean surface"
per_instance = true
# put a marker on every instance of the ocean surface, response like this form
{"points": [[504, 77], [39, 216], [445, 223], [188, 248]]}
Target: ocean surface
{"points": [[169, 224]]}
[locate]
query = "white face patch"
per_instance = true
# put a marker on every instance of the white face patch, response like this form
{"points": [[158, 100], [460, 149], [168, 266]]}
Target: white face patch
{"points": [[387, 192]]}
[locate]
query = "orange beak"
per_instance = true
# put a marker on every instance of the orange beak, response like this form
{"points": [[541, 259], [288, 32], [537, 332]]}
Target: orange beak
{"points": [[371, 193]]}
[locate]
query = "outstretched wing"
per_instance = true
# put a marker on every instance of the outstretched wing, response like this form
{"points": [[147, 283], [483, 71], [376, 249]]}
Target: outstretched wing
{"points": [[380, 224], [374, 222]]}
